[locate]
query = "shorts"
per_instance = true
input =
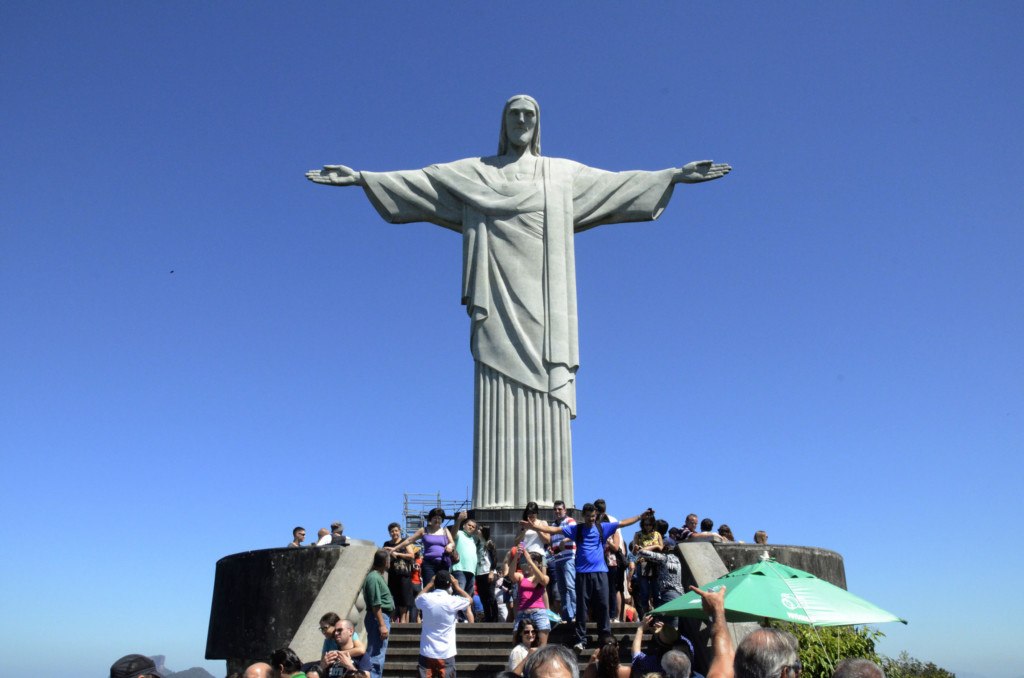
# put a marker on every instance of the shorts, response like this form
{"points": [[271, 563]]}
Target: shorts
{"points": [[539, 617]]}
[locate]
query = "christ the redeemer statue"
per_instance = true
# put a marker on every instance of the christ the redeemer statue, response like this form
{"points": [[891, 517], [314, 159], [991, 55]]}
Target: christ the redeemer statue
{"points": [[518, 213]]}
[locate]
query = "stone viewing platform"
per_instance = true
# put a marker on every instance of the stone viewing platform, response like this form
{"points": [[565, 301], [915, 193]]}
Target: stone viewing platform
{"points": [[274, 598]]}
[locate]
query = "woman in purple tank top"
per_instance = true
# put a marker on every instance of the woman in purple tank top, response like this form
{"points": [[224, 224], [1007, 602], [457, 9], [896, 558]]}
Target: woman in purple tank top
{"points": [[437, 545]]}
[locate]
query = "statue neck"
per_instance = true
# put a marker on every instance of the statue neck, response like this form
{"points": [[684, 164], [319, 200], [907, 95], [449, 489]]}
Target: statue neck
{"points": [[518, 152]]}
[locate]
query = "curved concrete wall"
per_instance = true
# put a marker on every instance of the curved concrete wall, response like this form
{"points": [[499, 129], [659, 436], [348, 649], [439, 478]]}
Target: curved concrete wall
{"points": [[822, 563], [273, 598], [704, 561]]}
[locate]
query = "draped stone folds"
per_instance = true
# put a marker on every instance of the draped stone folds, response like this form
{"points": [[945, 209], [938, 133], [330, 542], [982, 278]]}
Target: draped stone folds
{"points": [[523, 448], [519, 289]]}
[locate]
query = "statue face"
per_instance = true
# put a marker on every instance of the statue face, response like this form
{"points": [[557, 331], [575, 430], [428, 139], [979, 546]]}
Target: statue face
{"points": [[520, 122]]}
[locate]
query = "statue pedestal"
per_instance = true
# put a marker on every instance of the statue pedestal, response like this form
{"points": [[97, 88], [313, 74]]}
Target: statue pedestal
{"points": [[504, 524]]}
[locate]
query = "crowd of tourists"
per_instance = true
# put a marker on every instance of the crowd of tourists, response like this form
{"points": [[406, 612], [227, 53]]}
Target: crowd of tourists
{"points": [[537, 578], [557, 571]]}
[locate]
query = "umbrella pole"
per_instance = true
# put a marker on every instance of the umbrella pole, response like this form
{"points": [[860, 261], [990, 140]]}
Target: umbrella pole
{"points": [[828, 659]]}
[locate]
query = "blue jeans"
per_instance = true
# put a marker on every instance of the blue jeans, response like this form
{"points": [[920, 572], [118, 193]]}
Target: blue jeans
{"points": [[645, 589], [373, 660], [537, 615], [565, 579], [666, 596], [466, 581], [428, 568]]}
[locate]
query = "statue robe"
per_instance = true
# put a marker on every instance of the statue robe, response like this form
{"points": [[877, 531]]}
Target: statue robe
{"points": [[519, 288]]}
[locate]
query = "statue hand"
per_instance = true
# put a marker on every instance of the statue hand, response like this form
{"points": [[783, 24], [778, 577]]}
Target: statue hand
{"points": [[702, 170], [335, 175]]}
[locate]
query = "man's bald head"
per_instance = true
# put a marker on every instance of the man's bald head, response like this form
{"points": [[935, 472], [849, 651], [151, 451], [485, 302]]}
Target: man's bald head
{"points": [[858, 668], [260, 670]]}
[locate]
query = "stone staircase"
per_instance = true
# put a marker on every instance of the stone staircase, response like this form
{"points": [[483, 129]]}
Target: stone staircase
{"points": [[483, 648]]}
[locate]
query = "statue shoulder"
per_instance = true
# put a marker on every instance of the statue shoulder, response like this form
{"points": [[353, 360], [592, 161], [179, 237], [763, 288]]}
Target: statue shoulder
{"points": [[463, 167], [566, 165]]}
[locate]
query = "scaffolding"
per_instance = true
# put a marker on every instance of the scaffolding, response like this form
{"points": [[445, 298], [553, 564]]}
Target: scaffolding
{"points": [[417, 506]]}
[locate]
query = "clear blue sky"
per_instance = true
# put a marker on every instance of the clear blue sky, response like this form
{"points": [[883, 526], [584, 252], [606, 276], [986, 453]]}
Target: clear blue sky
{"points": [[826, 344]]}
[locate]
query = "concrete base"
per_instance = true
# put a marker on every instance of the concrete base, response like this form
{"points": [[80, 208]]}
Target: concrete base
{"points": [[504, 524], [822, 563], [274, 598]]}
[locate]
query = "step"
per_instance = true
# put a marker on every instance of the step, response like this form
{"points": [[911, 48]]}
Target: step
{"points": [[483, 648]]}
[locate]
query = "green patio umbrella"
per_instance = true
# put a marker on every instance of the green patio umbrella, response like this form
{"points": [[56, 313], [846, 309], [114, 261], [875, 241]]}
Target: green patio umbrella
{"points": [[769, 589]]}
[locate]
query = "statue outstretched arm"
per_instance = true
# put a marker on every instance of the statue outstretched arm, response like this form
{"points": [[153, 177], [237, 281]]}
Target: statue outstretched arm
{"points": [[336, 175], [701, 170]]}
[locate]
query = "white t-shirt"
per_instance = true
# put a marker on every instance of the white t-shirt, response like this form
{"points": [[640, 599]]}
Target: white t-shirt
{"points": [[517, 655], [439, 608], [534, 542]]}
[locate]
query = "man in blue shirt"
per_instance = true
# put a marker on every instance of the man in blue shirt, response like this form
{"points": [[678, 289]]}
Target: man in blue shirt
{"points": [[591, 569]]}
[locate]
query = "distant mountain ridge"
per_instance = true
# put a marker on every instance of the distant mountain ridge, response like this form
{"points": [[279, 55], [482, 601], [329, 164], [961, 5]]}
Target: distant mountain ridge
{"points": [[194, 672]]}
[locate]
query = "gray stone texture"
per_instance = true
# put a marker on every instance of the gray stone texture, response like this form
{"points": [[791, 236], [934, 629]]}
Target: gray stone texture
{"points": [[518, 213], [273, 598], [822, 563]]}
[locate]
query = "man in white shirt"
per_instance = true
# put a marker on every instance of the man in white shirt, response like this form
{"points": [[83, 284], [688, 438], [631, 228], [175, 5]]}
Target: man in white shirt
{"points": [[437, 639]]}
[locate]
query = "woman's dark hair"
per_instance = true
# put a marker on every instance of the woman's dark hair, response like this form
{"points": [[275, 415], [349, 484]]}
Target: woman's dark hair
{"points": [[394, 525], [608, 660], [311, 668], [331, 618], [726, 532], [517, 636], [538, 559], [531, 508], [435, 512], [485, 532], [286, 659], [661, 526]]}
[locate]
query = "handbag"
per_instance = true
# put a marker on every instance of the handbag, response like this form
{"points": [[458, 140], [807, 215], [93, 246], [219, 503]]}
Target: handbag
{"points": [[452, 557]]}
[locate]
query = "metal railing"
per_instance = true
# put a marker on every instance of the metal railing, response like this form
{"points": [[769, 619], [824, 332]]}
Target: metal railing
{"points": [[416, 507]]}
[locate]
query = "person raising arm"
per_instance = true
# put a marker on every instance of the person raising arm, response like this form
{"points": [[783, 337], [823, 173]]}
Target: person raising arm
{"points": [[591, 568]]}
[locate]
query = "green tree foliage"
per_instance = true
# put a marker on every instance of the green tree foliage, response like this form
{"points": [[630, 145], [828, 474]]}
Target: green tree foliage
{"points": [[821, 648], [906, 666]]}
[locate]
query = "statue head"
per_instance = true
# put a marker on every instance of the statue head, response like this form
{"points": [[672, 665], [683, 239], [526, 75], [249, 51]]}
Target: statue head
{"points": [[503, 140]]}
